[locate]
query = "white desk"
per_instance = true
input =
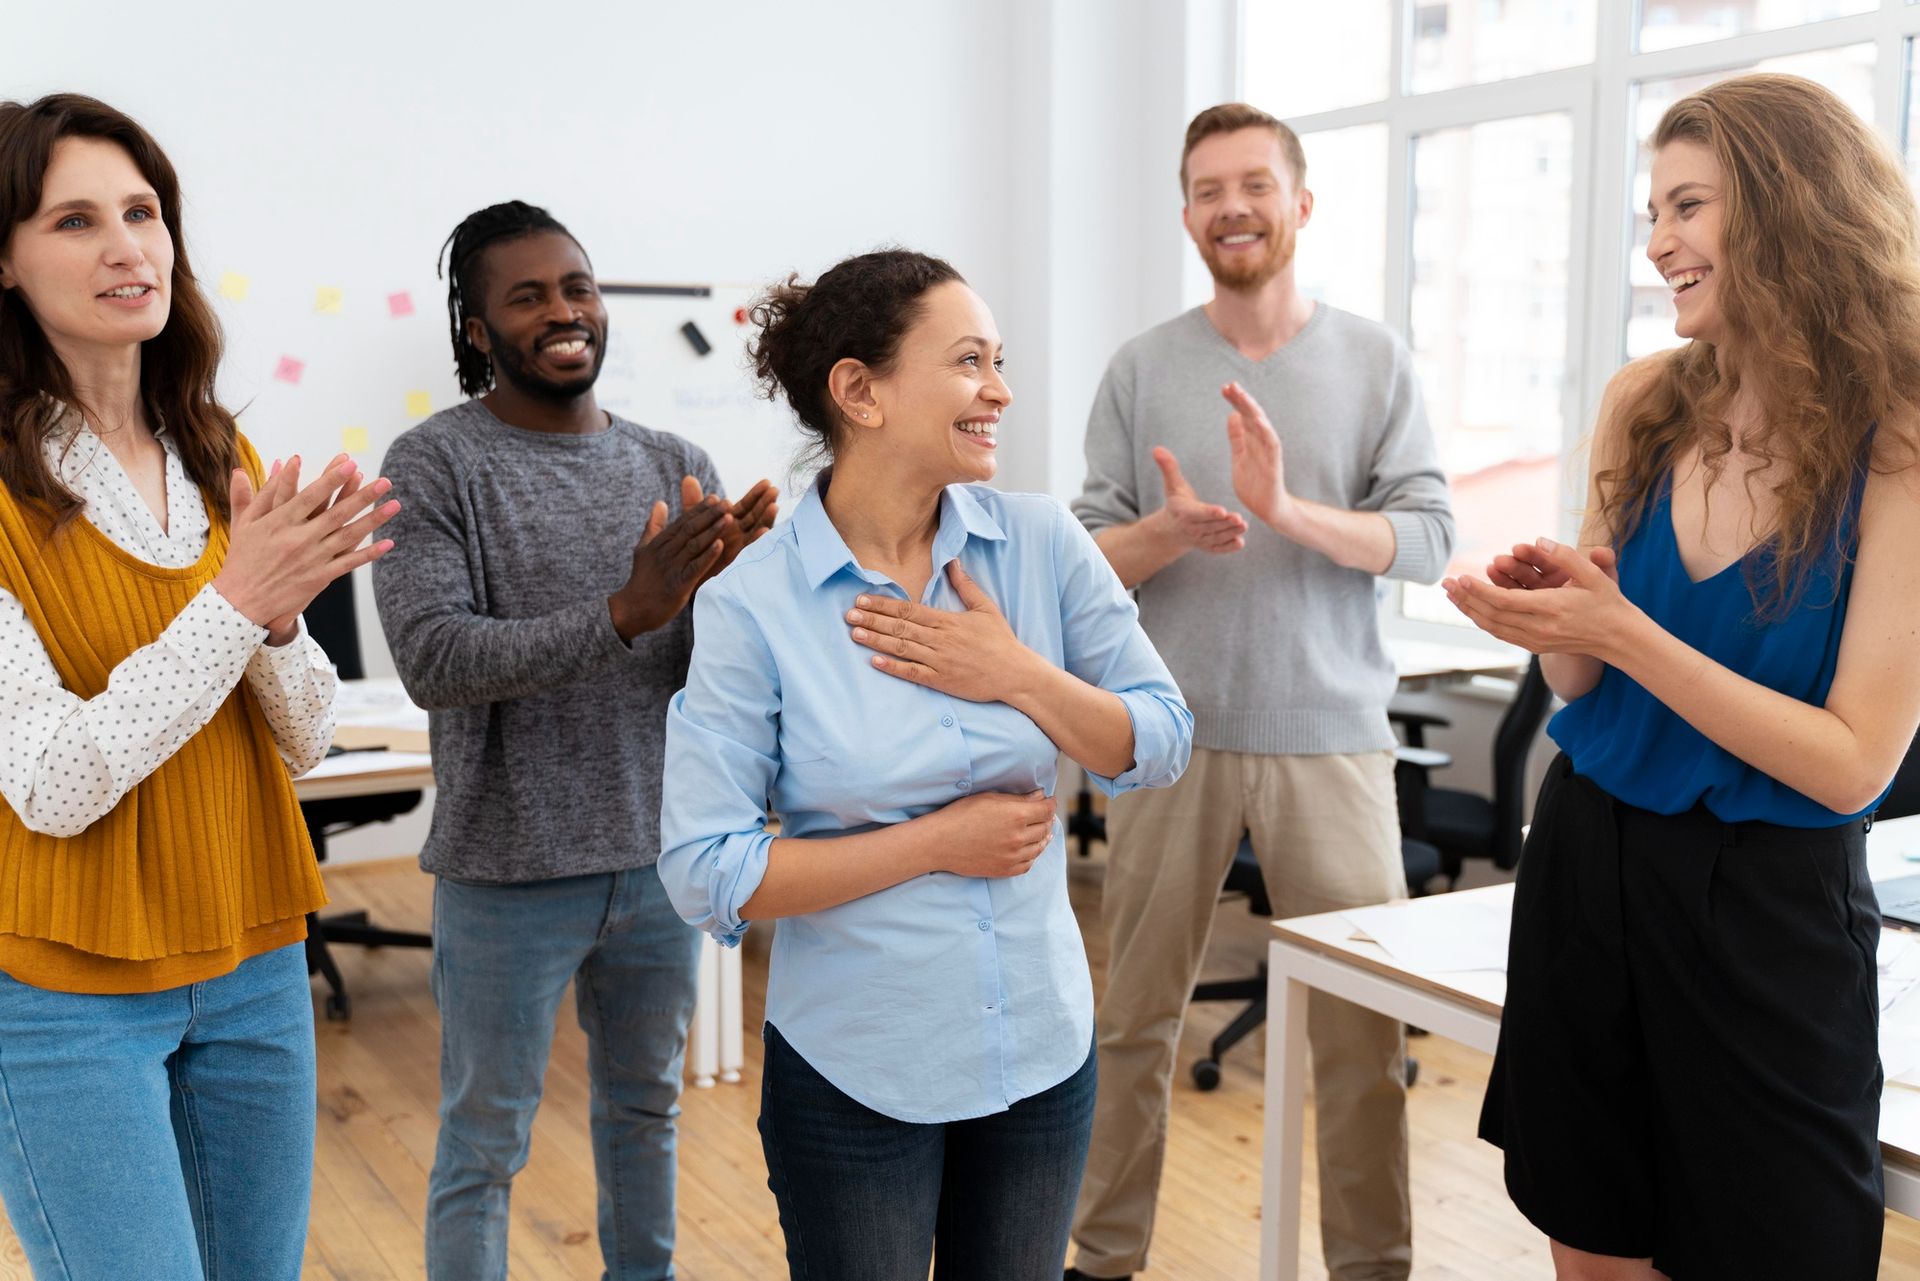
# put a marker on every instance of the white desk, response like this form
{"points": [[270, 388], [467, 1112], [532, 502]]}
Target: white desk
{"points": [[1320, 952], [1417, 662], [377, 714]]}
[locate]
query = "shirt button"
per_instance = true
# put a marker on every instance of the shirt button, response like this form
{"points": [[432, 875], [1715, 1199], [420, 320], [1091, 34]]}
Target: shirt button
{"points": [[947, 721], [986, 925], [960, 786]]}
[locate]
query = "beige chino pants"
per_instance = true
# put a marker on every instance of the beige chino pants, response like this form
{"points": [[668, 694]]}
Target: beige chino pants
{"points": [[1327, 833]]}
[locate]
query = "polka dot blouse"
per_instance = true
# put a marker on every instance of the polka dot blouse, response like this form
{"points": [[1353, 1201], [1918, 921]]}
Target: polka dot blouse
{"points": [[66, 761]]}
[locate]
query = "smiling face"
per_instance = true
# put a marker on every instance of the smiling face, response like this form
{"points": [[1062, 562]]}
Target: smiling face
{"points": [[94, 263], [1244, 208], [941, 402], [544, 324], [1688, 213]]}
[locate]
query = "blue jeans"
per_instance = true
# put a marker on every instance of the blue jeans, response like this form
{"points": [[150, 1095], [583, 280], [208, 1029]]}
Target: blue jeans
{"points": [[163, 1135], [502, 958], [864, 1197]]}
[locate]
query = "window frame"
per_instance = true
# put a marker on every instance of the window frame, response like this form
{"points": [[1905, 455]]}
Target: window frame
{"points": [[1597, 98]]}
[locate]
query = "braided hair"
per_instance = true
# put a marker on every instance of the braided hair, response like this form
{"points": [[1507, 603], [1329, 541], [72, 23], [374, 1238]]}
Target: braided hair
{"points": [[460, 255]]}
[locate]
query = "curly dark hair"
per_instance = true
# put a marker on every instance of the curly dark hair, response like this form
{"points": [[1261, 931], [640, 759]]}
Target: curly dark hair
{"points": [[858, 309]]}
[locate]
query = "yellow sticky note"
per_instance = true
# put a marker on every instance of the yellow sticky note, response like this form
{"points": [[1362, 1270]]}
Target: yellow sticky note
{"points": [[419, 404], [233, 285], [326, 300], [353, 439]]}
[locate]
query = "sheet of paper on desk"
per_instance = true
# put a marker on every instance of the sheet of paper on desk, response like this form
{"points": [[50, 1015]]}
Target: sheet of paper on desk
{"points": [[1448, 932], [381, 704], [1899, 965], [350, 763]]}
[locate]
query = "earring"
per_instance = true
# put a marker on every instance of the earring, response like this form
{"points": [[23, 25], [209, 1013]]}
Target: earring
{"points": [[863, 415]]}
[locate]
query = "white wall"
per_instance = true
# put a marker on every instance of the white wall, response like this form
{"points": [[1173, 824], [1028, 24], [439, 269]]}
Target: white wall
{"points": [[338, 147]]}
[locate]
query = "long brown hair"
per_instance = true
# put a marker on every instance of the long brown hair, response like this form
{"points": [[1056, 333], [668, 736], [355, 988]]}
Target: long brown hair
{"points": [[1820, 286], [177, 365]]}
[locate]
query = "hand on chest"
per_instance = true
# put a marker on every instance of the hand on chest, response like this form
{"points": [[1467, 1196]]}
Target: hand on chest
{"points": [[847, 727]]}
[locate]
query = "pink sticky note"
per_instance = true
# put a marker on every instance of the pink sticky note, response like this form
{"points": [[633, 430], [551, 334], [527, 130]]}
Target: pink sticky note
{"points": [[289, 369], [400, 304]]}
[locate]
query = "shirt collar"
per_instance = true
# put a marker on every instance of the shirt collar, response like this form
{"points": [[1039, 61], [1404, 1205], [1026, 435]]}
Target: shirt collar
{"points": [[823, 553]]}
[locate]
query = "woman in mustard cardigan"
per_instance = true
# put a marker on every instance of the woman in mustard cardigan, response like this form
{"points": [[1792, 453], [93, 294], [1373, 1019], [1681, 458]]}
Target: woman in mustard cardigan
{"points": [[156, 690]]}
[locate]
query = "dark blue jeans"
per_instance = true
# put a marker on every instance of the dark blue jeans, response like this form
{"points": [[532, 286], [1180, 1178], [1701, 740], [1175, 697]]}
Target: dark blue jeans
{"points": [[864, 1197]]}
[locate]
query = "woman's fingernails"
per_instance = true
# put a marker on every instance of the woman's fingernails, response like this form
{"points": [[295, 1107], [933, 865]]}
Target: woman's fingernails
{"points": [[853, 616]]}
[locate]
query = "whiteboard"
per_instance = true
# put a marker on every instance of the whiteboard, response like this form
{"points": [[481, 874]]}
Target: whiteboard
{"points": [[654, 376]]}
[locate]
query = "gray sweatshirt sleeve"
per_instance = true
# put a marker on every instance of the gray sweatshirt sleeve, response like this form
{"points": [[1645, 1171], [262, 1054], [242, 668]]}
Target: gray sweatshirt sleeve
{"points": [[1111, 493], [1408, 486], [448, 652]]}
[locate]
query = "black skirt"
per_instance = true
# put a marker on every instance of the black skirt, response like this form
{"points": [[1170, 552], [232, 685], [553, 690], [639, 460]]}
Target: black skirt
{"points": [[1689, 1060]]}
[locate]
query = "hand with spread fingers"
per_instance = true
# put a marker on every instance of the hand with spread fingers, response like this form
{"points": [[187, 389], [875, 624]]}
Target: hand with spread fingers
{"points": [[753, 516], [288, 542], [671, 561], [1206, 526], [1259, 462], [1563, 601], [971, 654]]}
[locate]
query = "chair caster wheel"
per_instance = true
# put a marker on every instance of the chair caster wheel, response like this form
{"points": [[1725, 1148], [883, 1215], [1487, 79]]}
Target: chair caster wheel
{"points": [[1206, 1074], [339, 1009], [1413, 1070]]}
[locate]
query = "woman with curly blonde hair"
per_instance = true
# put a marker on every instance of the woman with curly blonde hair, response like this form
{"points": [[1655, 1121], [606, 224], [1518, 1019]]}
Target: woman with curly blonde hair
{"points": [[1688, 1079]]}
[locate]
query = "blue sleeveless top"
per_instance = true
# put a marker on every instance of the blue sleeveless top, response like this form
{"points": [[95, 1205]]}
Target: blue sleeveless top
{"points": [[1637, 750]]}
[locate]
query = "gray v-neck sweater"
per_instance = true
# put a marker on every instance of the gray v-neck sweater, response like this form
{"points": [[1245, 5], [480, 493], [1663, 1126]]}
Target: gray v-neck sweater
{"points": [[1276, 648]]}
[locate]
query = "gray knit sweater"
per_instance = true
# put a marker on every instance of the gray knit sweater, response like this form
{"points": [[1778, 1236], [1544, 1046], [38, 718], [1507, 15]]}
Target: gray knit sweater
{"points": [[548, 731], [1276, 648]]}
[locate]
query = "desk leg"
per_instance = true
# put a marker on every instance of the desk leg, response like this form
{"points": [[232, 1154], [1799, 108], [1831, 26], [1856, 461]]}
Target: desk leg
{"points": [[1286, 1103], [703, 1041], [733, 1015]]}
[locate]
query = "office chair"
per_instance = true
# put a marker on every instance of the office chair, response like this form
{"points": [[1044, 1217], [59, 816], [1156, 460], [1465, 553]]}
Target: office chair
{"points": [[1463, 825], [1422, 863], [333, 623]]}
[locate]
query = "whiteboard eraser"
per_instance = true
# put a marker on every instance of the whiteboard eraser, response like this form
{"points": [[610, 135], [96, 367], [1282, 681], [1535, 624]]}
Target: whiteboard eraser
{"points": [[695, 339]]}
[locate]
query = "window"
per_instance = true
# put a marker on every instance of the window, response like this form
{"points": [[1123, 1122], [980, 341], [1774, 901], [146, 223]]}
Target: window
{"points": [[1340, 262], [1291, 59], [1465, 42], [1484, 194], [1670, 24]]}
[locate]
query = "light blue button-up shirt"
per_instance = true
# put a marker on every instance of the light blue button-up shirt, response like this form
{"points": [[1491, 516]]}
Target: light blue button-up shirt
{"points": [[943, 997]]}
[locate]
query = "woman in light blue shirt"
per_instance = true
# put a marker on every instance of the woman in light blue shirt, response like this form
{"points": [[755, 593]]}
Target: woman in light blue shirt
{"points": [[894, 672]]}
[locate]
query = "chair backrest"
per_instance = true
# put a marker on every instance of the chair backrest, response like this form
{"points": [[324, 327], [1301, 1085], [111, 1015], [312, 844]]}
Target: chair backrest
{"points": [[1512, 743], [335, 626], [1904, 799]]}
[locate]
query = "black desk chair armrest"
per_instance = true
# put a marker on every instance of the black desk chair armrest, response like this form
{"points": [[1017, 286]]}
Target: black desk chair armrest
{"points": [[1416, 724]]}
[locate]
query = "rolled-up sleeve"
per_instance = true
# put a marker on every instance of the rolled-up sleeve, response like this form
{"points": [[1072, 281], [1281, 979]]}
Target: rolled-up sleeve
{"points": [[1105, 646], [722, 757]]}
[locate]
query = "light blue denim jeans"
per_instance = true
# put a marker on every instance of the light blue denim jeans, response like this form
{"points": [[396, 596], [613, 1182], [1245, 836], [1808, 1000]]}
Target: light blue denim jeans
{"points": [[502, 958], [162, 1135]]}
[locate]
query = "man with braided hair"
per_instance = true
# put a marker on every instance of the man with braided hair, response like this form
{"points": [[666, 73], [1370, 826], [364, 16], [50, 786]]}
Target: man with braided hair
{"points": [[536, 607]]}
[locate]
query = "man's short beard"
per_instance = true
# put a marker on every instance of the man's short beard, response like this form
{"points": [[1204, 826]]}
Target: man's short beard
{"points": [[1248, 277], [509, 365]]}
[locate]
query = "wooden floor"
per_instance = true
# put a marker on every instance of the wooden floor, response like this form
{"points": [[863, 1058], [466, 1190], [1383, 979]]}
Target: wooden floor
{"points": [[378, 1091]]}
